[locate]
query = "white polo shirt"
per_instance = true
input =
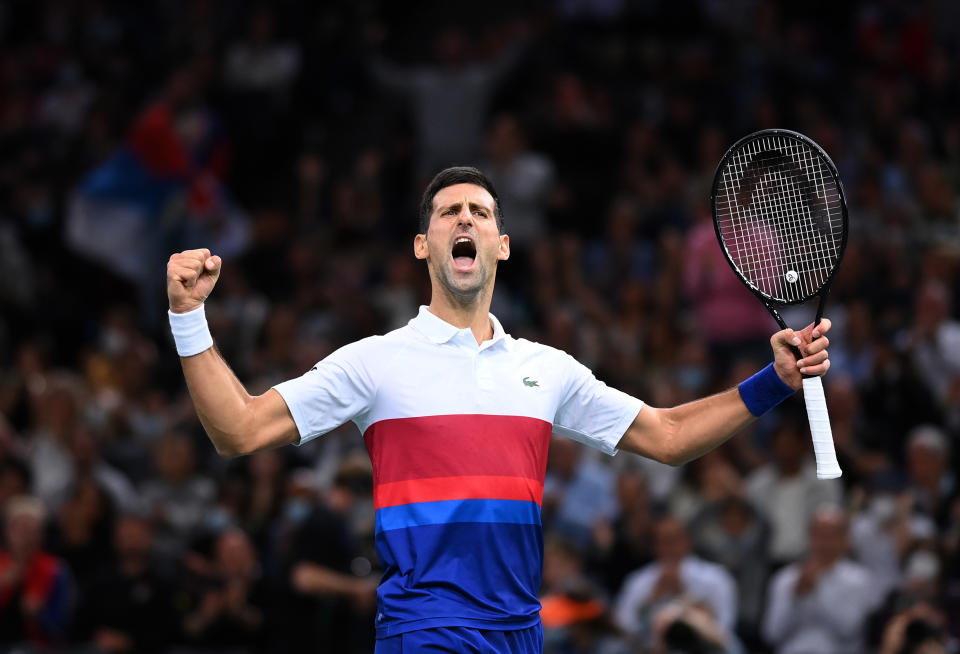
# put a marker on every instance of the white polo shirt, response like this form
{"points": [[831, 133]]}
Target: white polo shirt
{"points": [[458, 435]]}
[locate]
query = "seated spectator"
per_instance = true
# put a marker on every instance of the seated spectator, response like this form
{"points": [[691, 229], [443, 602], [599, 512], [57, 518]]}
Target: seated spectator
{"points": [[821, 603], [883, 533], [85, 461], [331, 588], [523, 178], [36, 588], [787, 491], [730, 531], [14, 478], [921, 629], [931, 482], [563, 560], [81, 532], [229, 610], [622, 546], [576, 620], [178, 497], [676, 573], [933, 340], [691, 628], [128, 606], [578, 491]]}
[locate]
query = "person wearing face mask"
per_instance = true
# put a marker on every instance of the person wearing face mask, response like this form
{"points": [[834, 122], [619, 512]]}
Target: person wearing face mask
{"points": [[321, 566]]}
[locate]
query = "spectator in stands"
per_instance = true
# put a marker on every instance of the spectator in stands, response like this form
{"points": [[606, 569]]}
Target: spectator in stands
{"points": [[675, 573], [36, 588], [730, 531], [578, 492], [129, 604], [931, 480], [330, 573], [689, 626], [81, 533], [229, 609], [448, 134], [933, 339], [14, 478], [821, 603], [178, 496], [524, 181], [577, 620], [626, 544], [787, 491]]}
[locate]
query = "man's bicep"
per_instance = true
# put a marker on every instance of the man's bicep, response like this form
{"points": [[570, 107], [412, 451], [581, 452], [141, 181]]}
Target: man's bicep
{"points": [[640, 437], [272, 423]]}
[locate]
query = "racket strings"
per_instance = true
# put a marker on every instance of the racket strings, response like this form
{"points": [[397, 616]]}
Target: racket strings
{"points": [[780, 217]]}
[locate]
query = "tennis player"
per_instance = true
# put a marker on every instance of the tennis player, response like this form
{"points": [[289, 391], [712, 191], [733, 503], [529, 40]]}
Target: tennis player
{"points": [[457, 416]]}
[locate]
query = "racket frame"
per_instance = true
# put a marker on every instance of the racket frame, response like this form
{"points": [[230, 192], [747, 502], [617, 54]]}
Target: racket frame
{"points": [[823, 290]]}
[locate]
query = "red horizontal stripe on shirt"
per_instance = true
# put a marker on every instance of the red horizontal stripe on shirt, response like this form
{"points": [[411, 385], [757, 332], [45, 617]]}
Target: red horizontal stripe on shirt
{"points": [[485, 487], [458, 446]]}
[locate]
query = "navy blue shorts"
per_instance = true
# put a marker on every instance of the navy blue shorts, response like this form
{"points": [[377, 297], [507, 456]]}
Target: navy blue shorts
{"points": [[464, 640]]}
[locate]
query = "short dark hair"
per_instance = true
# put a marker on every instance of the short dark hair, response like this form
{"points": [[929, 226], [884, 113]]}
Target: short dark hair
{"points": [[451, 177]]}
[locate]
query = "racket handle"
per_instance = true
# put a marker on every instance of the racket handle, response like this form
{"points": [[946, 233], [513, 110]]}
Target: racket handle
{"points": [[827, 465]]}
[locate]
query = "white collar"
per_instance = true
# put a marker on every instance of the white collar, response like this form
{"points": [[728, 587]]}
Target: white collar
{"points": [[439, 330]]}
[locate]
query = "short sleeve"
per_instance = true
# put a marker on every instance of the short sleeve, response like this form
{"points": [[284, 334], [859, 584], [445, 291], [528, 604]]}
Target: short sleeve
{"points": [[590, 411], [335, 391]]}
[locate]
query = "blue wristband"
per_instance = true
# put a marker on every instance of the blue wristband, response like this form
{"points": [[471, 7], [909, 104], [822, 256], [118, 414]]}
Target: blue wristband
{"points": [[764, 391]]}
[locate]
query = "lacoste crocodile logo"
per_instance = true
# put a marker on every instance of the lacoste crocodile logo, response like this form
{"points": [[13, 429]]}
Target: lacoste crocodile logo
{"points": [[530, 382]]}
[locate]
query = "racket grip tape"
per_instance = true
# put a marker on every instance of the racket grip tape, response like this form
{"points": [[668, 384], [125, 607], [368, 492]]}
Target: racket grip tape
{"points": [[827, 465]]}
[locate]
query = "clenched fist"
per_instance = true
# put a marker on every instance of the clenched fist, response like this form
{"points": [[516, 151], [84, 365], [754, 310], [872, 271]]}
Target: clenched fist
{"points": [[191, 276]]}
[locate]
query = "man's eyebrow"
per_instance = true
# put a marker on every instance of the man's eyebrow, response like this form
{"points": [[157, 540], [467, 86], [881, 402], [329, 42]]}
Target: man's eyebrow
{"points": [[456, 206]]}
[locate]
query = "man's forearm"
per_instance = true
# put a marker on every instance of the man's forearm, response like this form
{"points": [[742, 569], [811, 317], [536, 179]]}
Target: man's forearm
{"points": [[699, 426], [681, 434], [221, 401]]}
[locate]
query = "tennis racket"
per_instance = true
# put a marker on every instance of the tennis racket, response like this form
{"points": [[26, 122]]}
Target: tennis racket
{"points": [[781, 219]]}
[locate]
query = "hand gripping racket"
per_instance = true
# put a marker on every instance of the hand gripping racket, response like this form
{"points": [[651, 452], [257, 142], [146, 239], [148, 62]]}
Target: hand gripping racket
{"points": [[781, 219]]}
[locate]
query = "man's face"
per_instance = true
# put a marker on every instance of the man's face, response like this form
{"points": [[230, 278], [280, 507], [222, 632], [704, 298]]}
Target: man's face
{"points": [[828, 538], [24, 534], [671, 542], [463, 243]]}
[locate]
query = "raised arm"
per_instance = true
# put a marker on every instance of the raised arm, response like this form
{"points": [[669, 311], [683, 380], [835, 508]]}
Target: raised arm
{"points": [[683, 433], [236, 422]]}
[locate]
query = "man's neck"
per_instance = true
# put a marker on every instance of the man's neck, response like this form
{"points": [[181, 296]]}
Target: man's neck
{"points": [[476, 315]]}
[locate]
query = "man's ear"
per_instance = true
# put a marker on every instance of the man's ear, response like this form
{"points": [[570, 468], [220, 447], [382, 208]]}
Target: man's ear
{"points": [[504, 253], [420, 248]]}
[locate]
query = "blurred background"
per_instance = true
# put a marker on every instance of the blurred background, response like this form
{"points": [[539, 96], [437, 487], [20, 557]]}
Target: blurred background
{"points": [[295, 138]]}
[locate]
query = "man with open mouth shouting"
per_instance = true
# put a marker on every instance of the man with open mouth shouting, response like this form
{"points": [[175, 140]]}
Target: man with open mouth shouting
{"points": [[457, 416]]}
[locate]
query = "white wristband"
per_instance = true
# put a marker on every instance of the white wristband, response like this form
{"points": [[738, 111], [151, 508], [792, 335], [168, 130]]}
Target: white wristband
{"points": [[190, 331]]}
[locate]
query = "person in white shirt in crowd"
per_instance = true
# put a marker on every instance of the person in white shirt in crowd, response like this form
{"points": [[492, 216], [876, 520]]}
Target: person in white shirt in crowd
{"points": [[933, 340], [676, 573], [821, 603], [881, 535], [932, 484], [787, 491]]}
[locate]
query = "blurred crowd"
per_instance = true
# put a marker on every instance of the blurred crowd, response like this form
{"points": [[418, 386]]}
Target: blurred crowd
{"points": [[294, 139]]}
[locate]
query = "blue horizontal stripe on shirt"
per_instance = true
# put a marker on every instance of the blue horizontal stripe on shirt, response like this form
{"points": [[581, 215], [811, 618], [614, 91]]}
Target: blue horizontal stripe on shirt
{"points": [[452, 511]]}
